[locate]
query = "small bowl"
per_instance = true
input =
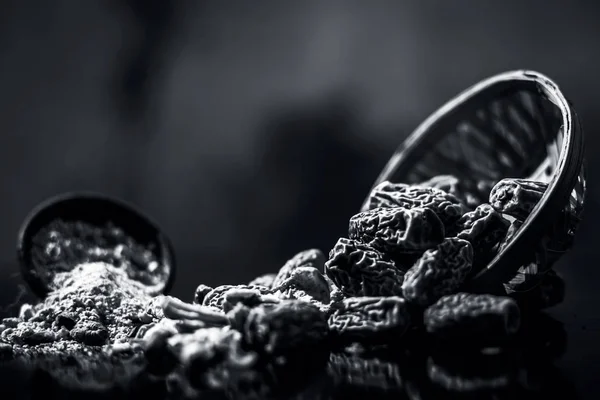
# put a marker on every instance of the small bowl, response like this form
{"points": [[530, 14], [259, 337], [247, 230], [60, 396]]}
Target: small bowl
{"points": [[95, 209], [516, 124]]}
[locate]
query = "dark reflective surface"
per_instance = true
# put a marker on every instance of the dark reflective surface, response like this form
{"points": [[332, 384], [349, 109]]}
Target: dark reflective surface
{"points": [[526, 368]]}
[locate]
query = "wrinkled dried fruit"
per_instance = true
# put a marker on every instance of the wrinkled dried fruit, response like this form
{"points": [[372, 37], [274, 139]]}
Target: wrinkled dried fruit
{"points": [[549, 292], [307, 258], [282, 327], [484, 228], [474, 318], [439, 272], [397, 231], [216, 297], [370, 319], [389, 195], [517, 197], [359, 270], [310, 281], [200, 293], [265, 280]]}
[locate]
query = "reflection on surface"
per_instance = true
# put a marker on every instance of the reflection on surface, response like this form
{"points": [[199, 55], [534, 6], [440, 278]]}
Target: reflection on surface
{"points": [[418, 369], [524, 368]]}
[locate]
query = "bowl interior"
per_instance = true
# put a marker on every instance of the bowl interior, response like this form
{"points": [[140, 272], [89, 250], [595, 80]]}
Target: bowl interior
{"points": [[508, 131], [97, 210]]}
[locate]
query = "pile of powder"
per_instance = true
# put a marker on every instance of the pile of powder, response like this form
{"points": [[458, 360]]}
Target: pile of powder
{"points": [[85, 323]]}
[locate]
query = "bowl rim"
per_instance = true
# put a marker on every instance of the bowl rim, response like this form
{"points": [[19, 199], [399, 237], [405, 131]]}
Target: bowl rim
{"points": [[28, 270], [563, 181]]}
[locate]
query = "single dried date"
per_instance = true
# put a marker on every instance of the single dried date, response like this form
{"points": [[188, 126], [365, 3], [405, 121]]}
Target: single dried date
{"points": [[484, 228], [517, 197], [397, 231], [390, 195], [473, 318], [359, 270], [307, 258], [200, 293], [216, 297], [280, 328], [369, 319], [439, 272], [309, 281]]}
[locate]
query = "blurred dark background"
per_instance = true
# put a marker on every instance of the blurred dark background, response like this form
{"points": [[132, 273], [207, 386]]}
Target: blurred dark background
{"points": [[252, 130]]}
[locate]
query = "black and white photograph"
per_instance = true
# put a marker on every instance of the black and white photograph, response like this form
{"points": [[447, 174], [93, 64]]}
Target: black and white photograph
{"points": [[299, 200]]}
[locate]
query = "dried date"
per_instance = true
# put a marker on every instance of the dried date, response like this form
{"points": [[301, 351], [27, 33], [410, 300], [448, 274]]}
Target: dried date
{"points": [[474, 318], [309, 281], [484, 228], [281, 328], [517, 197], [369, 319], [216, 297], [359, 270], [200, 293], [397, 231], [390, 195], [439, 272], [307, 258]]}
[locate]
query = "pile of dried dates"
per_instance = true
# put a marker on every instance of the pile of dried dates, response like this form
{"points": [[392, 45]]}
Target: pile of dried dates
{"points": [[399, 274]]}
